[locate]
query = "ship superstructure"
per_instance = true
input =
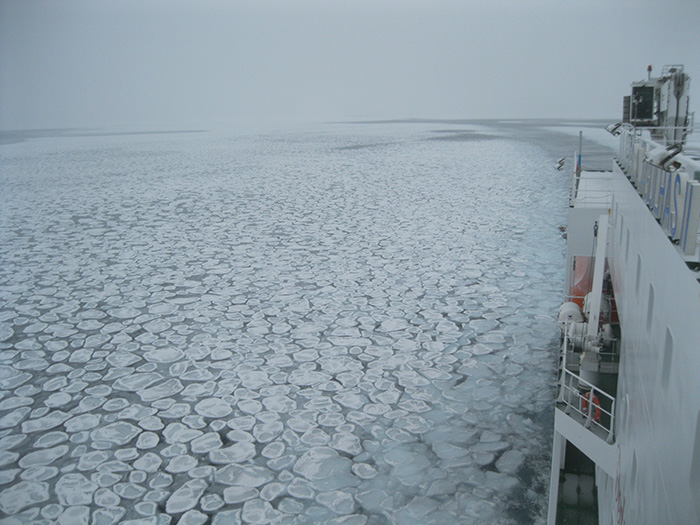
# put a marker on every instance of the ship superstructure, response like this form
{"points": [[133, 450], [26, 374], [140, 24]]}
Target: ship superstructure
{"points": [[629, 384]]}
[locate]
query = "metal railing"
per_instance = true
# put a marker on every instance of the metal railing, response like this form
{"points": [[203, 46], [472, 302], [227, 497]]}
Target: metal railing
{"points": [[605, 357], [599, 195], [595, 406], [629, 139]]}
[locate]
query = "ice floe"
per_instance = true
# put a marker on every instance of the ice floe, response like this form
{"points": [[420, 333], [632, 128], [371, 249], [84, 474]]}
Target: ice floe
{"points": [[274, 329]]}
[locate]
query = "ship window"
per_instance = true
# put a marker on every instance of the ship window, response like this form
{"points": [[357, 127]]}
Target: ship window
{"points": [[622, 226], [639, 274], [695, 468], [668, 353], [650, 306]]}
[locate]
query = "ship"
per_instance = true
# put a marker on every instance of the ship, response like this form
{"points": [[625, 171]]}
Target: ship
{"points": [[626, 446]]}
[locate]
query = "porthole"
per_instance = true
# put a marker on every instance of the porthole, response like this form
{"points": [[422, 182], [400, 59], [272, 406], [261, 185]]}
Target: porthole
{"points": [[639, 275], [667, 358], [622, 226], [650, 306]]}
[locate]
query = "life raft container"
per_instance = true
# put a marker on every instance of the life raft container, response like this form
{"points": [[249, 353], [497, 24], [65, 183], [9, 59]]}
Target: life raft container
{"points": [[596, 404]]}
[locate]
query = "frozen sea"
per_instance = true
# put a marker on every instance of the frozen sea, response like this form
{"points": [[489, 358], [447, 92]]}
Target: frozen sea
{"points": [[337, 323]]}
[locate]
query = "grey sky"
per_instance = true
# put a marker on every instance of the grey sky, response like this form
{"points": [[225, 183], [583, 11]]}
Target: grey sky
{"points": [[175, 63]]}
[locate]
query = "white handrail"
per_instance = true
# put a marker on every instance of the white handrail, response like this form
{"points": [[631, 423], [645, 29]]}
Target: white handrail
{"points": [[598, 403]]}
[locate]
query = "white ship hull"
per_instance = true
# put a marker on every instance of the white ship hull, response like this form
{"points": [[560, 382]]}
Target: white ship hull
{"points": [[658, 424], [646, 445]]}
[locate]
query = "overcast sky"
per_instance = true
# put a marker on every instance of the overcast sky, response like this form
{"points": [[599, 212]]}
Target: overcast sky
{"points": [[155, 63]]}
